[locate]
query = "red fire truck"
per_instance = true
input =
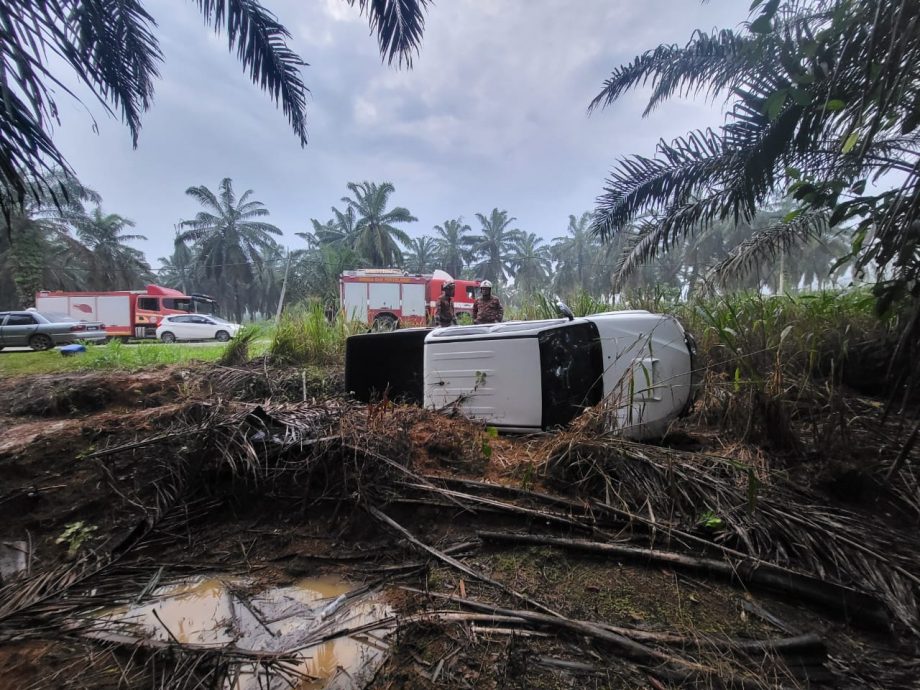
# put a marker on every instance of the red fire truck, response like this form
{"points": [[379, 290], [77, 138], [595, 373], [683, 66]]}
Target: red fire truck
{"points": [[386, 298], [125, 313]]}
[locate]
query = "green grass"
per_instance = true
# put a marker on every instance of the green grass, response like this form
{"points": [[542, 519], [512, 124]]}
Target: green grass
{"points": [[115, 356], [305, 336]]}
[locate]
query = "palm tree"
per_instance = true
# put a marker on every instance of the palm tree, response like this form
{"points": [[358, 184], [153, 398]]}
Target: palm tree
{"points": [[37, 250], [113, 264], [421, 255], [493, 245], [806, 116], [378, 238], [180, 270], [112, 49], [530, 262], [575, 253], [229, 241], [450, 245], [340, 231]]}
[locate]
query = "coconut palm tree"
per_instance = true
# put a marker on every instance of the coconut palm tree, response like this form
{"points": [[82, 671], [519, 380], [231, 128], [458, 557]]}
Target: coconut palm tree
{"points": [[113, 264], [378, 238], [530, 262], [421, 256], [450, 245], [493, 245], [817, 104], [112, 48], [229, 238]]}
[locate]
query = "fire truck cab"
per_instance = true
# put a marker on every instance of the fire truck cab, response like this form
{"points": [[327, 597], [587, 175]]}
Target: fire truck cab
{"points": [[388, 298]]}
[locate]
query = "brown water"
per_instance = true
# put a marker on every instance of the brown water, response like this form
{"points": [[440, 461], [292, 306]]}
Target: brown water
{"points": [[216, 612]]}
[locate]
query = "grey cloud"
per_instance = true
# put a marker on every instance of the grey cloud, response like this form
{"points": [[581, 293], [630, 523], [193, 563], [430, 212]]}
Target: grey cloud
{"points": [[493, 114]]}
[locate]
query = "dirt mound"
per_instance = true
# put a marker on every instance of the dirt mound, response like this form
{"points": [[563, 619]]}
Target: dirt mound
{"points": [[55, 395]]}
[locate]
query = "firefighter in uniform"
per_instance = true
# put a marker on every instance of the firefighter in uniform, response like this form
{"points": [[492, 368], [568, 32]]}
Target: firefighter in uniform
{"points": [[488, 308], [444, 316]]}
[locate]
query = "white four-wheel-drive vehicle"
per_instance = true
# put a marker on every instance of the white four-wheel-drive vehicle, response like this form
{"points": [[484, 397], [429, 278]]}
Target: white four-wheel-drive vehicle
{"points": [[535, 375]]}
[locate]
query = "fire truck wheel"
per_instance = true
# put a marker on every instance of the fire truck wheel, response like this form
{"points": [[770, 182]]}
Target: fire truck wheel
{"points": [[222, 336], [384, 323], [167, 337], [40, 342]]}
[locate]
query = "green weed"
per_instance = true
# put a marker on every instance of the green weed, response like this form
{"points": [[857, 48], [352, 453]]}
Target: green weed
{"points": [[305, 336]]}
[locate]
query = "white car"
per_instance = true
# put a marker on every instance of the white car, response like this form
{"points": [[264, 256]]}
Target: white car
{"points": [[530, 375], [195, 327]]}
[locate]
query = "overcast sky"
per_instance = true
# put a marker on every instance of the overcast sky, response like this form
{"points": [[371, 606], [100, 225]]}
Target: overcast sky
{"points": [[492, 114]]}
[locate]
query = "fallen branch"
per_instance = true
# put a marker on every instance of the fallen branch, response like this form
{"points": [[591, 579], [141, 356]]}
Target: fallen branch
{"points": [[853, 604], [657, 662]]}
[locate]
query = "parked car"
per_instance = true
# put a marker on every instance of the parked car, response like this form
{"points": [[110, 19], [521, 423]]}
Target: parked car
{"points": [[195, 327], [44, 330], [526, 376]]}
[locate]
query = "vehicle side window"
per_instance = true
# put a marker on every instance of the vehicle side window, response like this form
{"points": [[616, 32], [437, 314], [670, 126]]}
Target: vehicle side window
{"points": [[179, 319], [3, 315], [200, 319], [21, 320], [174, 303], [149, 303]]}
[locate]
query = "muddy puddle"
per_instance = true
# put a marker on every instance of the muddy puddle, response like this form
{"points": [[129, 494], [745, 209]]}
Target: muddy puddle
{"points": [[228, 614]]}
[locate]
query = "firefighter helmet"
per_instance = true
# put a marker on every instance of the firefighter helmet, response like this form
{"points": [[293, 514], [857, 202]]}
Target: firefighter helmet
{"points": [[486, 284]]}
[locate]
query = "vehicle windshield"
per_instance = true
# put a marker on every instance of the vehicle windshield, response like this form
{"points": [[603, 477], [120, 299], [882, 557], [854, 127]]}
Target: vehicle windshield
{"points": [[219, 320]]}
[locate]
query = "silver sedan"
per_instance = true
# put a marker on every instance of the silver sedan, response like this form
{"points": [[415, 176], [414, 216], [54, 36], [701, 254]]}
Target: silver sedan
{"points": [[42, 331]]}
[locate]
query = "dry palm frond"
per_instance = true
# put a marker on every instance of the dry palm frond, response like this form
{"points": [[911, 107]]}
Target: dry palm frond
{"points": [[770, 520]]}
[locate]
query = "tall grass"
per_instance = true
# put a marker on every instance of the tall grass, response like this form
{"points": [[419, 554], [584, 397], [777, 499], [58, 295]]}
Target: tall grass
{"points": [[305, 336]]}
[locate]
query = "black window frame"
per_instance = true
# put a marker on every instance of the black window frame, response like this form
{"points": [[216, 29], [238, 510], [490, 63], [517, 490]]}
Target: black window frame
{"points": [[156, 301]]}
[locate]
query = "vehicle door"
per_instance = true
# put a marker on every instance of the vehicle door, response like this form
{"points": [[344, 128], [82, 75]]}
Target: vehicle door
{"points": [[205, 329], [18, 329], [184, 327]]}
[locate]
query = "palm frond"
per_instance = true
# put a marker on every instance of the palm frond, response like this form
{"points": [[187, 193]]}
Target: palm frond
{"points": [[260, 42], [399, 25], [766, 244]]}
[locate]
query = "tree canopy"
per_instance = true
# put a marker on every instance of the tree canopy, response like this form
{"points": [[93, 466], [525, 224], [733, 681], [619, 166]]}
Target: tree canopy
{"points": [[823, 99]]}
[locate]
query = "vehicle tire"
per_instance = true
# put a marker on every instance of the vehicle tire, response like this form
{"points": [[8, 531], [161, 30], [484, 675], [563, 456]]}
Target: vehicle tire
{"points": [[167, 337], [222, 336], [40, 342], [385, 323]]}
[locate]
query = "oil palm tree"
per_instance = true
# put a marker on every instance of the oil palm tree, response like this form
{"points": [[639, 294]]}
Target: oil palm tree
{"points": [[450, 245], [37, 249], [421, 256], [229, 237], [377, 237], [821, 98], [575, 254], [530, 262], [179, 270], [114, 265], [112, 48], [493, 245]]}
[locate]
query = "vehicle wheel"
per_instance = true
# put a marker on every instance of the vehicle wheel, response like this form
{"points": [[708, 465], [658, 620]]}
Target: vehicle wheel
{"points": [[40, 341], [168, 337], [222, 336], [385, 323]]}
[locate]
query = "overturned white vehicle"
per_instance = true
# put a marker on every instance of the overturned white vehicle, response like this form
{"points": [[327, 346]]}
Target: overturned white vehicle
{"points": [[528, 376]]}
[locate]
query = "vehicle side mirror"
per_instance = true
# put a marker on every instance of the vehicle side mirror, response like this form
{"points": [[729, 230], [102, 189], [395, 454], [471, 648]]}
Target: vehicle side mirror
{"points": [[564, 310]]}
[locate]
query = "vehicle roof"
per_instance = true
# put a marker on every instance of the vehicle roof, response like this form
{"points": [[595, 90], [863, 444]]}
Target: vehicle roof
{"points": [[517, 329]]}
